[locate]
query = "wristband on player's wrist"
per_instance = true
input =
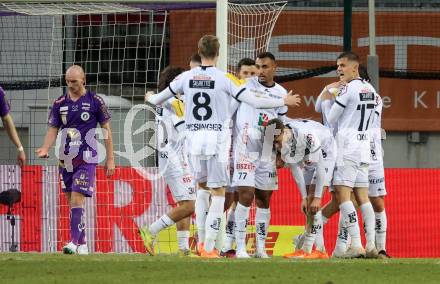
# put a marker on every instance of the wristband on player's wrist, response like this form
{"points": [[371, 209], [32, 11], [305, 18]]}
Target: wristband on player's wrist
{"points": [[20, 149]]}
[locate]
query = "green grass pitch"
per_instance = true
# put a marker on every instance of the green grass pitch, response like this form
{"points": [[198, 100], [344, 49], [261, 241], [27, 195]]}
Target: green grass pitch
{"points": [[136, 268]]}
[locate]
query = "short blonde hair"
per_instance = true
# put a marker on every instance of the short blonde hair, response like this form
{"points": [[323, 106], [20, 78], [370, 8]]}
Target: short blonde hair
{"points": [[208, 46]]}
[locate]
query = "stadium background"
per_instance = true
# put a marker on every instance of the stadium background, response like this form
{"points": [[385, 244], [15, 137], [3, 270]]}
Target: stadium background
{"points": [[408, 36]]}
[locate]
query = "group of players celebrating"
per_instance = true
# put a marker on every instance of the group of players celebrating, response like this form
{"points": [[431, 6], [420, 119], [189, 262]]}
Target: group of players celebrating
{"points": [[225, 137], [221, 140]]}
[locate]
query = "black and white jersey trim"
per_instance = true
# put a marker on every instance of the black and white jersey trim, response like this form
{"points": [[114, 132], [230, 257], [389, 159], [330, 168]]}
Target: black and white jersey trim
{"points": [[339, 103], [239, 93], [174, 93]]}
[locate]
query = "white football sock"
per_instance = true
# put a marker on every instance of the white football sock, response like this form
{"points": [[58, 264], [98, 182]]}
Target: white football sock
{"points": [[319, 239], [368, 217], [262, 220], [201, 210], [381, 230], [230, 232], [342, 239], [350, 219], [241, 220], [213, 221], [160, 224], [183, 240]]}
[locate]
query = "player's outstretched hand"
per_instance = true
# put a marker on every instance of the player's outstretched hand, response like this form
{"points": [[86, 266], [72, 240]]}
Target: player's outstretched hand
{"points": [[147, 95], [42, 152], [109, 167], [292, 100]]}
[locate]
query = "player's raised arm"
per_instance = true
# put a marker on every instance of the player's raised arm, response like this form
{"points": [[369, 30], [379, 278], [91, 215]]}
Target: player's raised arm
{"points": [[157, 99], [246, 96], [173, 89]]}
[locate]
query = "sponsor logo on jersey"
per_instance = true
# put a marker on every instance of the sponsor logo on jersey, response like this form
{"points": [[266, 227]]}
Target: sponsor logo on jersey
{"points": [[257, 92], [73, 133], [241, 166], [75, 108], [201, 84], [85, 106], [263, 119], [202, 77]]}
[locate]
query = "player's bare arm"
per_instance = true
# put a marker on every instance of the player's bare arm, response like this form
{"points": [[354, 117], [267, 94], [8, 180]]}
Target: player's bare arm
{"points": [[8, 123]]}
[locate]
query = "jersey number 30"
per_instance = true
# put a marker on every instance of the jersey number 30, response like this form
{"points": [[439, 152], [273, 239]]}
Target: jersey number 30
{"points": [[202, 110]]}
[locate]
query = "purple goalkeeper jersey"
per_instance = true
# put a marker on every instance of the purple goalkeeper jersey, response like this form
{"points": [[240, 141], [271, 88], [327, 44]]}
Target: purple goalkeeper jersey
{"points": [[4, 104], [77, 122]]}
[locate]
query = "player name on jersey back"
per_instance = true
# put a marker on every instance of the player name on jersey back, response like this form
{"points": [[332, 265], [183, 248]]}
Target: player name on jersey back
{"points": [[201, 84]]}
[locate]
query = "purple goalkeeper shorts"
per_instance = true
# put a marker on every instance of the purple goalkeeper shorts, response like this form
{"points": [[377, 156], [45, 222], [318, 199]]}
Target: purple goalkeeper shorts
{"points": [[81, 180]]}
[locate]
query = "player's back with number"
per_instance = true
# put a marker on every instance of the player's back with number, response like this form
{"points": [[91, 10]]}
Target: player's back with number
{"points": [[207, 99]]}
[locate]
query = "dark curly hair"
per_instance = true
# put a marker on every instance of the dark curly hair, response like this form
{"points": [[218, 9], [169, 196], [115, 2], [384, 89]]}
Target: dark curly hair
{"points": [[167, 76]]}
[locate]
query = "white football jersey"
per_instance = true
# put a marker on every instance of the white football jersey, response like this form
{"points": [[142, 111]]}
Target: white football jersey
{"points": [[208, 93], [248, 116], [311, 139], [376, 133], [357, 98], [320, 108], [169, 122]]}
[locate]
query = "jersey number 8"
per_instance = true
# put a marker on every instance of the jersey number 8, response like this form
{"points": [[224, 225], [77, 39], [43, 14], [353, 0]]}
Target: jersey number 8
{"points": [[207, 111]]}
